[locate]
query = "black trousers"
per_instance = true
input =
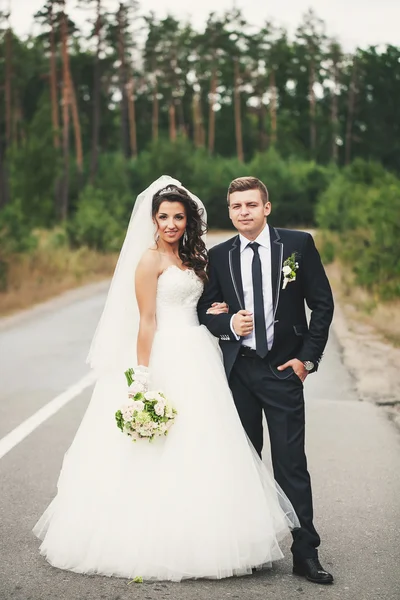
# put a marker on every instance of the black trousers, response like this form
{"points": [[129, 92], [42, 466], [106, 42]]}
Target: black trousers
{"points": [[255, 388]]}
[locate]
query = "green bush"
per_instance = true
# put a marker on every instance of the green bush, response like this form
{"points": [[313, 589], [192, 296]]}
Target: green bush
{"points": [[94, 224], [209, 180], [15, 237], [164, 158], [34, 167], [362, 204], [294, 187], [15, 231], [326, 246], [206, 176], [345, 204]]}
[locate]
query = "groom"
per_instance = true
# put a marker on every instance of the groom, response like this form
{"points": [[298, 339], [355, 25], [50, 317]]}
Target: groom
{"points": [[266, 275]]}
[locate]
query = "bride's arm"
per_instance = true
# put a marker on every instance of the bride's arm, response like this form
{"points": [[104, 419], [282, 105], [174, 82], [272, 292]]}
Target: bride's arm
{"points": [[146, 277]]}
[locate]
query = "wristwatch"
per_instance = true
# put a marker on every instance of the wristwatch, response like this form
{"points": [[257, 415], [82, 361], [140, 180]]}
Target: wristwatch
{"points": [[308, 365]]}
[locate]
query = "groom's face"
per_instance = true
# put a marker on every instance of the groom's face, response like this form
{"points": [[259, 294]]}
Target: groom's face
{"points": [[248, 212]]}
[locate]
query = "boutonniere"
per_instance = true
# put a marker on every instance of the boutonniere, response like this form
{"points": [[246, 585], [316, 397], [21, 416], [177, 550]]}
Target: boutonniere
{"points": [[289, 269]]}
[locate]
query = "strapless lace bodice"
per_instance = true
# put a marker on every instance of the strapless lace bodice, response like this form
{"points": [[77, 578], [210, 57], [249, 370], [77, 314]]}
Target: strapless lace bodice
{"points": [[178, 292]]}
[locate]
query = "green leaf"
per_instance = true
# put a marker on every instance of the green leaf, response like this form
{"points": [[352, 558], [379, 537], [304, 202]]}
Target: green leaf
{"points": [[129, 373], [136, 580]]}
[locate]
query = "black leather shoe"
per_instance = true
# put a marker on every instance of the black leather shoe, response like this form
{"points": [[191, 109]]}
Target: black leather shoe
{"points": [[311, 569]]}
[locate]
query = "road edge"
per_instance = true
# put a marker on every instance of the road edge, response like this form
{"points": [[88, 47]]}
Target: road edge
{"points": [[76, 294]]}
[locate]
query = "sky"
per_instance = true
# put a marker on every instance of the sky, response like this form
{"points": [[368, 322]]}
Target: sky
{"points": [[354, 22]]}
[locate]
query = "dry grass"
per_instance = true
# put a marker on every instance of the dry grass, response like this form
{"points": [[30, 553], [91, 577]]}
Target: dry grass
{"points": [[48, 272], [360, 305], [53, 268]]}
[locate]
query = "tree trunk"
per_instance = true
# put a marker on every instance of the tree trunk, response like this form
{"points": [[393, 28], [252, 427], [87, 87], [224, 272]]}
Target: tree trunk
{"points": [[196, 133], [172, 122], [272, 108], [76, 123], [238, 118], [263, 138], [130, 93], [202, 131], [96, 99], [122, 83], [18, 136], [63, 209], [125, 126], [334, 115], [181, 118], [4, 189], [211, 114], [350, 112], [70, 95], [53, 83], [198, 126], [313, 130], [64, 191], [8, 86], [154, 124], [132, 117]]}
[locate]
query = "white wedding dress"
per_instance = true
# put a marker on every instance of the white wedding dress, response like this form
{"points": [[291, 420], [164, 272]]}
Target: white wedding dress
{"points": [[196, 503]]}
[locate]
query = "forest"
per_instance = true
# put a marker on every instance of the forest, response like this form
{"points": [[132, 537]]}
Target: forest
{"points": [[89, 117]]}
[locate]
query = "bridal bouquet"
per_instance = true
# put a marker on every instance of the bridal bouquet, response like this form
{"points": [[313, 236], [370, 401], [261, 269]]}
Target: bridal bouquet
{"points": [[147, 413]]}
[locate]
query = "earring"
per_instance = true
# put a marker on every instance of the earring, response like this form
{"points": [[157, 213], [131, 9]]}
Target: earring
{"points": [[156, 236], [185, 237]]}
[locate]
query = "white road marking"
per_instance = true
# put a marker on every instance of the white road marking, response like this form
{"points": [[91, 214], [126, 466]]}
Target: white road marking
{"points": [[18, 434]]}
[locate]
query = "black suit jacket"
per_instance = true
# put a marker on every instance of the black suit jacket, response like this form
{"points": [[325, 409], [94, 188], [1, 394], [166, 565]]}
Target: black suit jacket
{"points": [[293, 338]]}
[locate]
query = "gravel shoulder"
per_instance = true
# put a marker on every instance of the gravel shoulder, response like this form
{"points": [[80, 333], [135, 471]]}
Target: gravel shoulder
{"points": [[373, 362]]}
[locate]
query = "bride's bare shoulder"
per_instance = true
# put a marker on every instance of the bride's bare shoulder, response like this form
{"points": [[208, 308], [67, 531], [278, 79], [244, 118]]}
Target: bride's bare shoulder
{"points": [[150, 262]]}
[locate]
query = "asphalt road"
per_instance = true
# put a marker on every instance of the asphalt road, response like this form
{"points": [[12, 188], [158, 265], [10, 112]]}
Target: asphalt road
{"points": [[353, 451]]}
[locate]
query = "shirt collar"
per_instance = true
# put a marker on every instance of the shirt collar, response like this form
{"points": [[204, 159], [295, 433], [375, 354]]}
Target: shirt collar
{"points": [[263, 239]]}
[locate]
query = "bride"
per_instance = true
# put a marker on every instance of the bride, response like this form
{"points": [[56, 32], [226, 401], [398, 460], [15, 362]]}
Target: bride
{"points": [[198, 502]]}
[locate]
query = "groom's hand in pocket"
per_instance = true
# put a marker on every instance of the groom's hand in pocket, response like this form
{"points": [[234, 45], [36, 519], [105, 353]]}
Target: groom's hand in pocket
{"points": [[243, 323], [297, 367]]}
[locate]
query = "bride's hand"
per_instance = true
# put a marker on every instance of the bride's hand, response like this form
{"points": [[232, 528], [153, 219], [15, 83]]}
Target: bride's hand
{"points": [[218, 308], [142, 375]]}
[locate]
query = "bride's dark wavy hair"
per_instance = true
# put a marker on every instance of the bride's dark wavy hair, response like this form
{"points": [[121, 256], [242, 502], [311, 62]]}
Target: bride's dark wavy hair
{"points": [[192, 249]]}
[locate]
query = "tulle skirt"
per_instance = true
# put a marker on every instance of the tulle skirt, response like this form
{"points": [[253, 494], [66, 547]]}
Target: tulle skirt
{"points": [[196, 503]]}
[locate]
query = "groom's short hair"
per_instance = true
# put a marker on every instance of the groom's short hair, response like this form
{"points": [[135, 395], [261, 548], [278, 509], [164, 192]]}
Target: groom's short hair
{"points": [[243, 184]]}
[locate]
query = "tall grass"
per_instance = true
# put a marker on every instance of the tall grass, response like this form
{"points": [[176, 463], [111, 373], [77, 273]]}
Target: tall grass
{"points": [[50, 269]]}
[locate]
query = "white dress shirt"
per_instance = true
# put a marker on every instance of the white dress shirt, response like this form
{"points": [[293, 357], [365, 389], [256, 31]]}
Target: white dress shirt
{"points": [[246, 259]]}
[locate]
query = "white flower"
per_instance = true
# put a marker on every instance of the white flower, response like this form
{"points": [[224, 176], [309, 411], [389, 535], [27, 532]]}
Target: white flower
{"points": [[138, 405], [136, 388], [127, 413], [146, 430], [287, 280], [169, 412], [159, 408], [153, 395], [286, 270], [163, 428]]}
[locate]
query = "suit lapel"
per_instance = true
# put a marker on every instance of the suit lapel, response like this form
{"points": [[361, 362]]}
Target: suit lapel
{"points": [[276, 265], [235, 270]]}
